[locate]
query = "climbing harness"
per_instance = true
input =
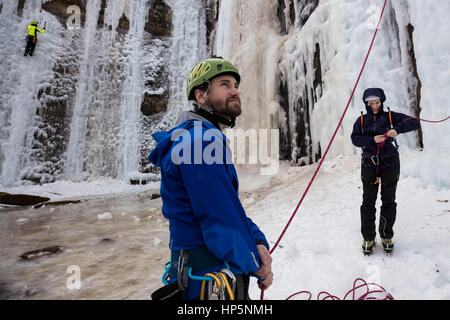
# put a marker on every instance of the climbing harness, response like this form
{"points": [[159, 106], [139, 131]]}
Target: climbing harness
{"points": [[221, 285]]}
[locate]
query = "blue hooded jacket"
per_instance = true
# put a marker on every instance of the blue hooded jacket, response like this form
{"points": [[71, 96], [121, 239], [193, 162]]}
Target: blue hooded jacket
{"points": [[200, 196], [378, 124]]}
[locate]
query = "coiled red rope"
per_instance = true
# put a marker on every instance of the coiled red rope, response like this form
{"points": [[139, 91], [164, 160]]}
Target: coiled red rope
{"points": [[378, 293], [331, 141]]}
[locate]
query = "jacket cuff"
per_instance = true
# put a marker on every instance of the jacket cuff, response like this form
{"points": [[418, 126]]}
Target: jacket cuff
{"points": [[397, 129], [264, 242]]}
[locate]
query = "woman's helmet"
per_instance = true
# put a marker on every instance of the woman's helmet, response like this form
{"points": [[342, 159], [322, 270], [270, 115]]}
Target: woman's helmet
{"points": [[206, 70]]}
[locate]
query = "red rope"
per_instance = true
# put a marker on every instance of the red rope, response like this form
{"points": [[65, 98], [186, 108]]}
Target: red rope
{"points": [[431, 121], [370, 294], [331, 141]]}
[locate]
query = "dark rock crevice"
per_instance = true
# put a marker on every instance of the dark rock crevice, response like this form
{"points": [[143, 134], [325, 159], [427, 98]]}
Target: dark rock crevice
{"points": [[101, 16], [159, 21], [285, 132], [305, 9], [124, 24], [414, 90], [294, 13], [212, 16], [59, 9], [296, 141], [20, 6], [317, 83]]}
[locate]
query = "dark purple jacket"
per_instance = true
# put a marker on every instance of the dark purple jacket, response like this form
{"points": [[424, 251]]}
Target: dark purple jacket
{"points": [[377, 124]]}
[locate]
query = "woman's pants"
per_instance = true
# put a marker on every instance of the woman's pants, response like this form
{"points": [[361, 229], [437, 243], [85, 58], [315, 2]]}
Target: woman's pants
{"points": [[389, 172]]}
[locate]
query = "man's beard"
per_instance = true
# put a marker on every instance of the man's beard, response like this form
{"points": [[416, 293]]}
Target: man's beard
{"points": [[230, 108]]}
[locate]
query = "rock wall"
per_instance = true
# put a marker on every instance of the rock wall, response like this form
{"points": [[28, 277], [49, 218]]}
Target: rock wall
{"points": [[49, 139]]}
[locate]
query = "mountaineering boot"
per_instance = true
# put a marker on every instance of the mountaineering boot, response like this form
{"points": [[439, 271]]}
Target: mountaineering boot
{"points": [[388, 245], [367, 247]]}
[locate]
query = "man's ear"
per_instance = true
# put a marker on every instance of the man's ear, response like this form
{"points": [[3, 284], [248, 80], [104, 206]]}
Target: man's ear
{"points": [[200, 96]]}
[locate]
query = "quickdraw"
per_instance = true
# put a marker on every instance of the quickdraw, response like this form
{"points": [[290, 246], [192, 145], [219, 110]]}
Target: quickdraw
{"points": [[218, 285]]}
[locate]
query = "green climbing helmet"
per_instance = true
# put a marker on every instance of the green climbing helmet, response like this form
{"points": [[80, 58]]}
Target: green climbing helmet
{"points": [[33, 22], [207, 69]]}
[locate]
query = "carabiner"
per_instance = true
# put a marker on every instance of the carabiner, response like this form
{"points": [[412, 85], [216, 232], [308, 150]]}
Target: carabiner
{"points": [[213, 288], [165, 276], [377, 161], [182, 270], [230, 274], [226, 285]]}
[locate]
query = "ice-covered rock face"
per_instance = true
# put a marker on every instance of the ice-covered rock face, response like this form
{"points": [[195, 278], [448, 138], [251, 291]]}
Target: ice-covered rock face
{"points": [[97, 87], [299, 62], [87, 103]]}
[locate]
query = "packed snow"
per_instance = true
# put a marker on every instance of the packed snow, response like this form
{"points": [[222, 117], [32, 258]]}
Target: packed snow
{"points": [[321, 251]]}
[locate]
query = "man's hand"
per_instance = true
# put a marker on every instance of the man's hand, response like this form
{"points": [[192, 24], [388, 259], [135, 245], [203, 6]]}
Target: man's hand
{"points": [[265, 272]]}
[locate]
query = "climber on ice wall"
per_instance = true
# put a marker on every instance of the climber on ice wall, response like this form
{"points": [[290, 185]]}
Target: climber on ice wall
{"points": [[32, 38]]}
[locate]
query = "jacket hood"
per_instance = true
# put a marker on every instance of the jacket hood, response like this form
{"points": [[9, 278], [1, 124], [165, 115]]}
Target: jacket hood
{"points": [[164, 138], [374, 92], [189, 115], [163, 144]]}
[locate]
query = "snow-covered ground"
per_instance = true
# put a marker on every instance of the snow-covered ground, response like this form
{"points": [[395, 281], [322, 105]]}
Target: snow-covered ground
{"points": [[320, 251]]}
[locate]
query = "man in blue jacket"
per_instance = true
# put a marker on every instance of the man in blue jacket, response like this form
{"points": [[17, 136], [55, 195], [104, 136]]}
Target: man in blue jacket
{"points": [[374, 133], [199, 187]]}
